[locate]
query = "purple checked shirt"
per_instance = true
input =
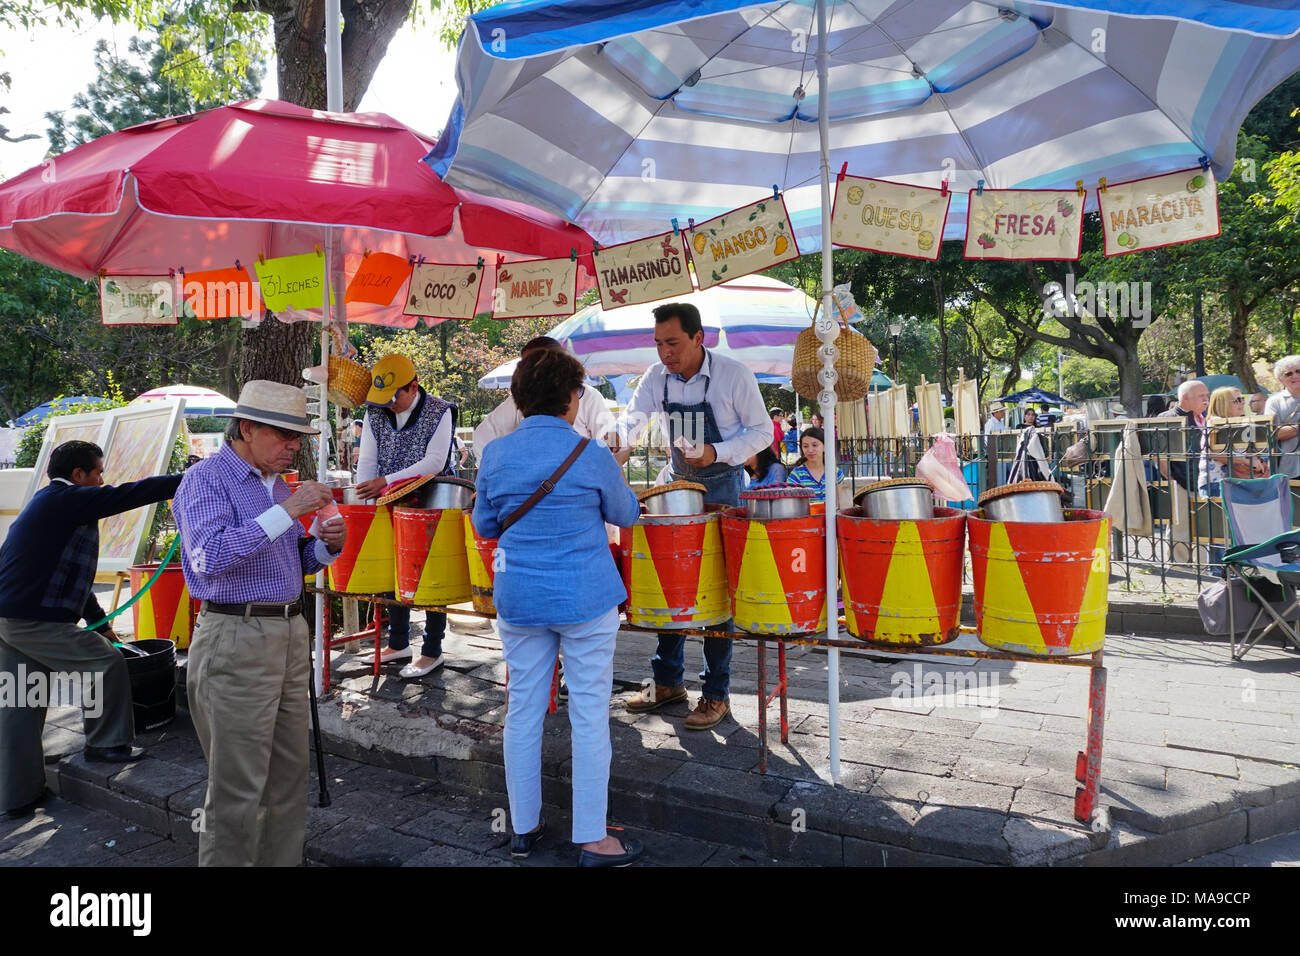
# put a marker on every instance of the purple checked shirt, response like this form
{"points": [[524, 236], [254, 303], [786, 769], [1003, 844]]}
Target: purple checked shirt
{"points": [[238, 547]]}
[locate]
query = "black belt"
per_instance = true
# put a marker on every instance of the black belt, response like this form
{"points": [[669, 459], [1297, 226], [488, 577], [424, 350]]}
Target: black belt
{"points": [[285, 611]]}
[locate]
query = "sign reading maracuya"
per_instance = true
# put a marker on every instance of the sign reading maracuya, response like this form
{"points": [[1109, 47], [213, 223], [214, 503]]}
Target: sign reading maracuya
{"points": [[1024, 224], [745, 240], [444, 291], [137, 300], [889, 217], [535, 287], [1160, 211], [293, 282], [642, 271]]}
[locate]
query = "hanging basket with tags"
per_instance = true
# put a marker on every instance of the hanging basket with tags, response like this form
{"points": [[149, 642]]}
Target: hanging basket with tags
{"points": [[854, 366]]}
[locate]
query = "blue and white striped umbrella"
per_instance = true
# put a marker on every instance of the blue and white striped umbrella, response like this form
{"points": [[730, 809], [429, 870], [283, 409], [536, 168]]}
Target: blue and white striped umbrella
{"points": [[754, 320], [623, 115]]}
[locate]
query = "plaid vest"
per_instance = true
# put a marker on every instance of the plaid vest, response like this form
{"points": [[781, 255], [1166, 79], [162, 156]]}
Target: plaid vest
{"points": [[401, 448]]}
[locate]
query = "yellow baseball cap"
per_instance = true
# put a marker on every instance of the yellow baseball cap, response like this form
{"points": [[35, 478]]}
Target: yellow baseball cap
{"points": [[391, 373]]}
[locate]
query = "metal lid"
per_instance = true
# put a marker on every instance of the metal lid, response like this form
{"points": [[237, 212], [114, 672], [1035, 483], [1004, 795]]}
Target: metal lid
{"points": [[671, 486], [891, 483], [774, 492], [401, 488], [1018, 488]]}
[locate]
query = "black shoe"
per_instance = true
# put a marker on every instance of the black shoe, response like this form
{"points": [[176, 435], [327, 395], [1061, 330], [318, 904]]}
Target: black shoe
{"points": [[521, 845], [123, 754], [27, 809], [632, 851]]}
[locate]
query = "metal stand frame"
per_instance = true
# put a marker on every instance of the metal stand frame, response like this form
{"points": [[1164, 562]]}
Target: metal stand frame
{"points": [[1288, 630]]}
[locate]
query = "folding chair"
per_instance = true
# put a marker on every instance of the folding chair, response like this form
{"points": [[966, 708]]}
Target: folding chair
{"points": [[1264, 547]]}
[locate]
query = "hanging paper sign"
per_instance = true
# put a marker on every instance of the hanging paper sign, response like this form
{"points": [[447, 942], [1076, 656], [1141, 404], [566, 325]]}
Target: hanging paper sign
{"points": [[881, 216], [293, 282], [221, 294], [1024, 224], [1160, 211], [535, 287], [745, 240], [137, 300], [642, 271], [444, 291], [379, 279]]}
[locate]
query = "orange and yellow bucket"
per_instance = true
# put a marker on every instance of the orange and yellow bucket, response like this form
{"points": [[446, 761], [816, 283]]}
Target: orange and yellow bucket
{"points": [[675, 572], [429, 551], [480, 554], [1041, 588], [366, 565], [164, 610], [776, 572]]}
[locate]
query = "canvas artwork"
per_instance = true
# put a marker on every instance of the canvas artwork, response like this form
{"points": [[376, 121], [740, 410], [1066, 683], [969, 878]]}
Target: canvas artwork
{"points": [[137, 444], [86, 426]]}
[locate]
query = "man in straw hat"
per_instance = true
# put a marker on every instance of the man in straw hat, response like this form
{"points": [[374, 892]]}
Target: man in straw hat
{"points": [[997, 419], [245, 556], [407, 433]]}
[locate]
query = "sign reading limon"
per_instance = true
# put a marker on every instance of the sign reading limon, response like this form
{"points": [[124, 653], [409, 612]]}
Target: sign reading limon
{"points": [[642, 271], [1024, 224], [444, 291], [889, 217], [535, 287], [293, 282], [1160, 211], [137, 300], [745, 240]]}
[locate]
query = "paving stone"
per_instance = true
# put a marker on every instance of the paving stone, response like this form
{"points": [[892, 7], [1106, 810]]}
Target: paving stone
{"points": [[725, 789], [866, 853], [942, 791], [1211, 763], [1128, 847], [95, 797], [442, 856], [355, 843], [1272, 820], [962, 832], [155, 781]]}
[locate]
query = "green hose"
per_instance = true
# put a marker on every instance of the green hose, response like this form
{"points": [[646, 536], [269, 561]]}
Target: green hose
{"points": [[162, 565]]}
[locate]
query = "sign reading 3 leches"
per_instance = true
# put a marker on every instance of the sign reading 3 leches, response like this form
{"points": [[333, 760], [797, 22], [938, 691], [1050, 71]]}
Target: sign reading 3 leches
{"points": [[1024, 224], [293, 282], [745, 240], [444, 291], [642, 271], [1160, 211], [889, 217], [535, 287]]}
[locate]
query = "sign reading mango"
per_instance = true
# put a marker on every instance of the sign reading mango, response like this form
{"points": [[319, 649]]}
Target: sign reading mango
{"points": [[889, 217], [1160, 211], [440, 291], [1024, 224], [535, 287], [642, 271], [745, 240]]}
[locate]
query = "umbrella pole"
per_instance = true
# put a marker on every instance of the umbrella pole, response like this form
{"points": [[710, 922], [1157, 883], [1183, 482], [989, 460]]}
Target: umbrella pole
{"points": [[322, 468], [827, 332]]}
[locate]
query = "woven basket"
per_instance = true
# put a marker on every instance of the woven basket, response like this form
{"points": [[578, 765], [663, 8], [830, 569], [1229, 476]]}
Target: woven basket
{"points": [[855, 365], [349, 382]]}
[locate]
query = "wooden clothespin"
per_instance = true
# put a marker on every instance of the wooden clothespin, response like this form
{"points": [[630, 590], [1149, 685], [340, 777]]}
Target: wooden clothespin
{"points": [[238, 266], [844, 171], [1101, 184], [479, 265], [573, 255], [979, 187], [776, 193], [676, 231], [943, 188], [1205, 162], [318, 251], [1078, 184], [261, 258], [501, 260]]}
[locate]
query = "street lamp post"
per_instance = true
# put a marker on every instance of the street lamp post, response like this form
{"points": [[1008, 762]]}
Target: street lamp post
{"points": [[896, 329]]}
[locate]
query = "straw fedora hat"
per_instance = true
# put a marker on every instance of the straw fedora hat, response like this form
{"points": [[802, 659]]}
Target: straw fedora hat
{"points": [[271, 403], [997, 407]]}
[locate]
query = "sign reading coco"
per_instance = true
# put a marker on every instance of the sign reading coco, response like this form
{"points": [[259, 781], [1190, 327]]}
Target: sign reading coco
{"points": [[444, 291], [642, 271], [1024, 224], [745, 240], [889, 217], [1160, 211]]}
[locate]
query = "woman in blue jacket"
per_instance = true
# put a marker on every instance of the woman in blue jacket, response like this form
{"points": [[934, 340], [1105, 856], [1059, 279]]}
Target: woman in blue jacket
{"points": [[556, 588]]}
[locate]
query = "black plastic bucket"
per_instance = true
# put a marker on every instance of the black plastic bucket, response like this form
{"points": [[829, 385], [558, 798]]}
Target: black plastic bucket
{"points": [[153, 681]]}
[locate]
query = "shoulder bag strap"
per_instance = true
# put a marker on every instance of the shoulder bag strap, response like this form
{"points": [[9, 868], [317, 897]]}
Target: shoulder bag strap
{"points": [[546, 488]]}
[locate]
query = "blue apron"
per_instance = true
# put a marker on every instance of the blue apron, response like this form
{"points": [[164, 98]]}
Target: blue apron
{"points": [[722, 482]]}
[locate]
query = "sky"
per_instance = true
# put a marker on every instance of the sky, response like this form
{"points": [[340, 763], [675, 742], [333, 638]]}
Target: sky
{"points": [[51, 65]]}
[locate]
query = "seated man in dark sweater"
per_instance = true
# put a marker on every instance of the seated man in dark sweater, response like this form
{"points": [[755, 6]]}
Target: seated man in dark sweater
{"points": [[47, 569]]}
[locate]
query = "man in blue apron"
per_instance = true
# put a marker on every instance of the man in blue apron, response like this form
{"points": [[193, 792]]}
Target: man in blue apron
{"points": [[407, 432], [716, 421]]}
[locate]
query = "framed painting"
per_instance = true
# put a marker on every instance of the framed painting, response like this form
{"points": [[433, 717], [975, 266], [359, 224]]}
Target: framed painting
{"points": [[138, 443], [84, 426]]}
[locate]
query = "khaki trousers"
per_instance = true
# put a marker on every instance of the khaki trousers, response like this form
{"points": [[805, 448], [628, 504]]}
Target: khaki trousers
{"points": [[31, 647], [247, 688]]}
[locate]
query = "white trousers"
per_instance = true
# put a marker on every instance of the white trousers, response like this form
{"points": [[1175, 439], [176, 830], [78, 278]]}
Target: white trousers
{"points": [[589, 673]]}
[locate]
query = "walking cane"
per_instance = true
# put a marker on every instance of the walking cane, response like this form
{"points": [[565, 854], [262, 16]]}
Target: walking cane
{"points": [[315, 729]]}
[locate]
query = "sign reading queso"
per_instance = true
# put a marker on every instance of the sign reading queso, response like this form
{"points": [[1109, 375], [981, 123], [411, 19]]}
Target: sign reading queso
{"points": [[881, 216]]}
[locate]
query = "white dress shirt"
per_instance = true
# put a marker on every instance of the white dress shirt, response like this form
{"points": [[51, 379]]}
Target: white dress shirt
{"points": [[733, 394], [594, 420], [994, 425], [435, 454]]}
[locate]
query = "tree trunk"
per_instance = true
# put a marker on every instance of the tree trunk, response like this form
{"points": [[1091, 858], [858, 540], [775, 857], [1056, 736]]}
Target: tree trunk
{"points": [[1239, 347], [1130, 382], [278, 352]]}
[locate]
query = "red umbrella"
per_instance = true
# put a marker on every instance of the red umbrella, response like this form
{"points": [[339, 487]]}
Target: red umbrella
{"points": [[266, 178]]}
